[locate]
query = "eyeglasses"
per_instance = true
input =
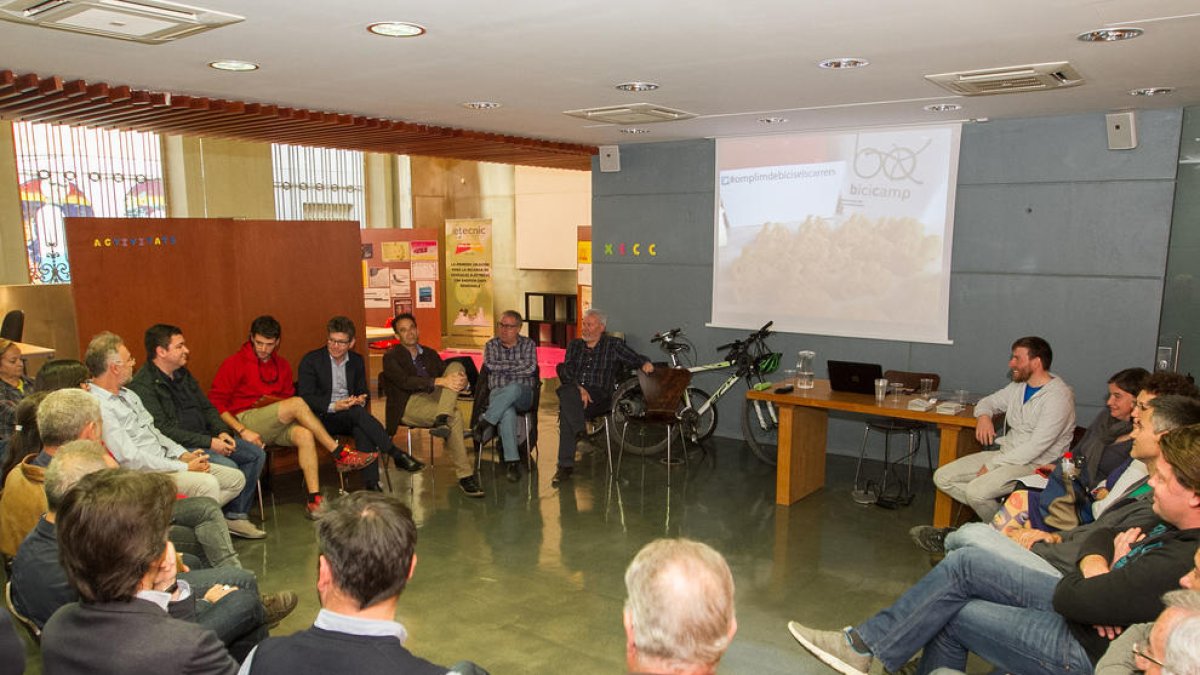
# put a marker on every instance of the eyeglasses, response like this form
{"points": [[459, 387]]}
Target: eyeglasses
{"points": [[1137, 651], [339, 342], [509, 325]]}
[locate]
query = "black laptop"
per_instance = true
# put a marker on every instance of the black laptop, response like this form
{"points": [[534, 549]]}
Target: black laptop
{"points": [[853, 377]]}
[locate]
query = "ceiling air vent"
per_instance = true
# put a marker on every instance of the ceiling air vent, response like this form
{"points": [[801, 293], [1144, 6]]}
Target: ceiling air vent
{"points": [[637, 113], [1010, 80], [147, 21]]}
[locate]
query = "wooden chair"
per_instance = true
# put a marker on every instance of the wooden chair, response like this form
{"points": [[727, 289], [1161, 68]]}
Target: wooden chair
{"points": [[30, 627], [662, 392], [871, 492]]}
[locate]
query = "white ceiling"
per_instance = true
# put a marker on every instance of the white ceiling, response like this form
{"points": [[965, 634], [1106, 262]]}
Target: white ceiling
{"points": [[730, 63]]}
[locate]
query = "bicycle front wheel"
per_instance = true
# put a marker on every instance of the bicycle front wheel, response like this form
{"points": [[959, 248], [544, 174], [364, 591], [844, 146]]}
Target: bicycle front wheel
{"points": [[760, 428]]}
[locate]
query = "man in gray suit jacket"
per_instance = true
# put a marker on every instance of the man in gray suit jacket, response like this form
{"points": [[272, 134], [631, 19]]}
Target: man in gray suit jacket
{"points": [[112, 537]]}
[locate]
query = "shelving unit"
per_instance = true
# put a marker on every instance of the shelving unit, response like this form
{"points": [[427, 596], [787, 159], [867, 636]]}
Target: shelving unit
{"points": [[551, 317]]}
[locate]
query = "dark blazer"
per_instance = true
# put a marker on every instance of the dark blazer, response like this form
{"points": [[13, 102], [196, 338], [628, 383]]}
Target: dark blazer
{"points": [[129, 638], [314, 381], [400, 380]]}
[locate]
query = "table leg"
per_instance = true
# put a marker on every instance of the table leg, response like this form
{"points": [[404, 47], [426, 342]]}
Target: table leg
{"points": [[954, 442], [801, 459]]}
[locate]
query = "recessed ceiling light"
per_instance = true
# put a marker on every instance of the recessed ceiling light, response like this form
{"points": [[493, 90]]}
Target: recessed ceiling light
{"points": [[634, 130], [234, 66], [481, 105], [772, 120], [1151, 91], [637, 86], [943, 107], [845, 62], [1109, 34], [397, 29]]}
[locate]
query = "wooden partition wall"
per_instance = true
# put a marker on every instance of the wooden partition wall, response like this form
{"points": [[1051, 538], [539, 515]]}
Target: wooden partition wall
{"points": [[211, 277]]}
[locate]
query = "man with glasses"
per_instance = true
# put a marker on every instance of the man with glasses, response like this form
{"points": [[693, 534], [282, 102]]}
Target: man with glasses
{"points": [[511, 362], [254, 393], [332, 380]]}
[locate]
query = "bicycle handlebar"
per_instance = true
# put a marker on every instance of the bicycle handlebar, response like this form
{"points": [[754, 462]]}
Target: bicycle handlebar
{"points": [[665, 335]]}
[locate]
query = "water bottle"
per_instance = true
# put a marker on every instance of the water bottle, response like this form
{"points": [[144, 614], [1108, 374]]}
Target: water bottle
{"points": [[1069, 471]]}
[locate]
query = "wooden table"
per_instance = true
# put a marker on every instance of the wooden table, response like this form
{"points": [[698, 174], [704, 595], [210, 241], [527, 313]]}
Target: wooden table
{"points": [[804, 421]]}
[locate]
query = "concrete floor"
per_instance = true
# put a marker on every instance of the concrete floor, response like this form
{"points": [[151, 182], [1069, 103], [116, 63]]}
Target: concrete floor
{"points": [[529, 579]]}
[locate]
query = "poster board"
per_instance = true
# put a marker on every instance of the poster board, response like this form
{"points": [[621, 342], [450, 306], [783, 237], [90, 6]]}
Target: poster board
{"points": [[212, 277], [401, 271]]}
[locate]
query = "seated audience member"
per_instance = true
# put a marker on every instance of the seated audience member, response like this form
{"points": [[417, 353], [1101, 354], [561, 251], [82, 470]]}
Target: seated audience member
{"points": [[14, 386], [25, 440], [679, 609], [367, 545], [1065, 502], [229, 604], [61, 374], [1183, 648], [333, 382], [422, 391], [1143, 647], [66, 416], [511, 362], [253, 391], [111, 536], [1039, 411], [588, 375], [1130, 483], [131, 436], [1024, 621], [184, 414], [1057, 553]]}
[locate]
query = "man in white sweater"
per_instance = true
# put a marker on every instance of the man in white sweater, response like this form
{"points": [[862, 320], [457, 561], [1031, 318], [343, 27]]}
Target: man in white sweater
{"points": [[1039, 412]]}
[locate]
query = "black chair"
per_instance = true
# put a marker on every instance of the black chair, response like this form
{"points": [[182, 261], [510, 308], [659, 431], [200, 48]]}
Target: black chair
{"points": [[872, 492], [401, 424], [13, 326], [662, 392], [30, 627]]}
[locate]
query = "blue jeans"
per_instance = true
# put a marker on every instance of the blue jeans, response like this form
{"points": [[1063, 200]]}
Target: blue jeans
{"points": [[988, 538], [237, 618], [504, 404], [249, 459], [973, 602]]}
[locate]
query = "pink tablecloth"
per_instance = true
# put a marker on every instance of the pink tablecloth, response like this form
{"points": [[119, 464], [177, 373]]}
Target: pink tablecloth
{"points": [[548, 358]]}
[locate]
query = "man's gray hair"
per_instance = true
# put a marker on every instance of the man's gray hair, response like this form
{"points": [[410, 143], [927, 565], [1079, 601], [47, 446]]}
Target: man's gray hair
{"points": [[1188, 601], [63, 415], [1173, 411], [512, 314], [71, 463], [600, 315], [101, 352], [681, 604], [1183, 648]]}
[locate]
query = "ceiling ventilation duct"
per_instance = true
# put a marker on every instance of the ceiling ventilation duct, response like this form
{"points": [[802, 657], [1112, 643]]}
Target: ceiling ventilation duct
{"points": [[146, 21], [1009, 80], [637, 113]]}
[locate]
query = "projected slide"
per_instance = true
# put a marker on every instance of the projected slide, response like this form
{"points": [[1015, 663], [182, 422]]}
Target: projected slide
{"points": [[845, 233]]}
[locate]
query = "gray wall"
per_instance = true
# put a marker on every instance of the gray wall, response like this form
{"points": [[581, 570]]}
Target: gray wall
{"points": [[1054, 235]]}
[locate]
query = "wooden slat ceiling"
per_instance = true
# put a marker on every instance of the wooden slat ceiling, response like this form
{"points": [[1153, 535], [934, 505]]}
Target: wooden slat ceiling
{"points": [[33, 98]]}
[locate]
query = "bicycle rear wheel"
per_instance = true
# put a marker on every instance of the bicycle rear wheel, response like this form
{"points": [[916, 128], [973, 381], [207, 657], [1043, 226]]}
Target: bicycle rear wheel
{"points": [[640, 439], [700, 426], [760, 428]]}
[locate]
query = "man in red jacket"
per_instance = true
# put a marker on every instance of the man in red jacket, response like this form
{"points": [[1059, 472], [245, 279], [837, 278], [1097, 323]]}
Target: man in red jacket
{"points": [[254, 392]]}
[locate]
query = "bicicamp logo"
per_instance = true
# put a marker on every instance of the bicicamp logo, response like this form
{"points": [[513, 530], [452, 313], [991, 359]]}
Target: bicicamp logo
{"points": [[636, 249]]}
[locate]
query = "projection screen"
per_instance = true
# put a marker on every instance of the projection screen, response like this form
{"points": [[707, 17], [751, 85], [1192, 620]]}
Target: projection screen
{"points": [[837, 233]]}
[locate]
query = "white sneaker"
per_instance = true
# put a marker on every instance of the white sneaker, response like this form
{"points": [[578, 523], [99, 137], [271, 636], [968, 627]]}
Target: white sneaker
{"points": [[244, 529], [833, 648]]}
